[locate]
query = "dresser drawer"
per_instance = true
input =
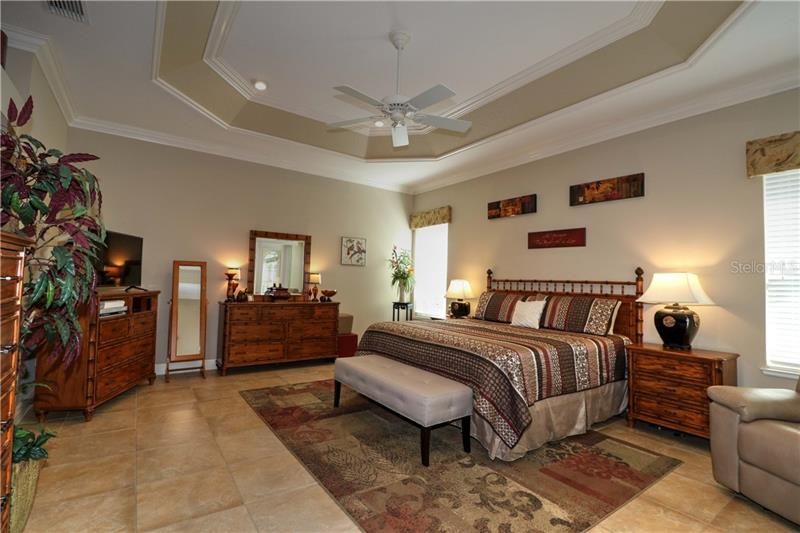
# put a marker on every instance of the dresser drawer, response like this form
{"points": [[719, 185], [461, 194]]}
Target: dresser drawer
{"points": [[677, 368], [121, 377], [7, 403], [286, 311], [326, 311], [244, 313], [309, 329], [9, 349], [680, 415], [143, 323], [256, 352], [256, 332], [312, 348], [113, 355], [10, 267], [112, 329], [657, 385]]}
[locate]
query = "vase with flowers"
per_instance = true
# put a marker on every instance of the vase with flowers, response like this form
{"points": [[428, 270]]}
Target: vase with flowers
{"points": [[402, 269]]}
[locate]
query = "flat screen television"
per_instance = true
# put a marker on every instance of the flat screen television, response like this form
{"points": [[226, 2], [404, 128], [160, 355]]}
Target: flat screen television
{"points": [[120, 262]]}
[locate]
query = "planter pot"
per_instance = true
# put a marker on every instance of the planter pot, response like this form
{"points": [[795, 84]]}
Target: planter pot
{"points": [[24, 478]]}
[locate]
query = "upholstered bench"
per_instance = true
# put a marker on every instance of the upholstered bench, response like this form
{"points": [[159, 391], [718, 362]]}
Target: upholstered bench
{"points": [[427, 400]]}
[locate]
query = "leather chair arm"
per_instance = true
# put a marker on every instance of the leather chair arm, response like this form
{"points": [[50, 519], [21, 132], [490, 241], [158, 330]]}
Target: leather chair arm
{"points": [[754, 403]]}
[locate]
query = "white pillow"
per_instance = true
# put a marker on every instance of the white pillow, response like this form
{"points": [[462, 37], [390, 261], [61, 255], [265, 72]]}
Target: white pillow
{"points": [[528, 314]]}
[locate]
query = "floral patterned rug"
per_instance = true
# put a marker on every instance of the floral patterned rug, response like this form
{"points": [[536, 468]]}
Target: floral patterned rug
{"points": [[368, 460]]}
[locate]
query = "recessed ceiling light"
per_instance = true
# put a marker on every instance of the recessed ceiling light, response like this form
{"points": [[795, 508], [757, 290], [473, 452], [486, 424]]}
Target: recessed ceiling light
{"points": [[260, 86], [378, 123]]}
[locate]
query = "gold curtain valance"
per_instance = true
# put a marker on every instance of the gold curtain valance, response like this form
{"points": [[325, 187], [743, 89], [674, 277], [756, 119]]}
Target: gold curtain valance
{"points": [[440, 215], [773, 154]]}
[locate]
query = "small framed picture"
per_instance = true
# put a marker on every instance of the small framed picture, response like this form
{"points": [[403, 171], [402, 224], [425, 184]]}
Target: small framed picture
{"points": [[354, 251]]}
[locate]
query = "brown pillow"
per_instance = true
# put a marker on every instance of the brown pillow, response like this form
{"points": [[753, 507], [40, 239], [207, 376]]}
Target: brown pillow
{"points": [[580, 314], [499, 306]]}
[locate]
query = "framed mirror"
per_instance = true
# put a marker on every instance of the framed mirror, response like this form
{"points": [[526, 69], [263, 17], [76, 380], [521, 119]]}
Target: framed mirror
{"points": [[187, 319], [278, 258]]}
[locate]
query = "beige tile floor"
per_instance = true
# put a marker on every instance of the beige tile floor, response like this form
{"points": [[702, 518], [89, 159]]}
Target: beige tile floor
{"points": [[191, 456]]}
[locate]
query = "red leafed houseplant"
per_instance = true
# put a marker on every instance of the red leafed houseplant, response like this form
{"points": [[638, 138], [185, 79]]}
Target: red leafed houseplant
{"points": [[46, 197]]}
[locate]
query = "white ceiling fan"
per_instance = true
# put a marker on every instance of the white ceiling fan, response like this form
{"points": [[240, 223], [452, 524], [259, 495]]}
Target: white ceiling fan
{"points": [[398, 109]]}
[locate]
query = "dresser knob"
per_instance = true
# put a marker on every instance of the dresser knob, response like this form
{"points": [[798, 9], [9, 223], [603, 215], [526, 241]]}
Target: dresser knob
{"points": [[4, 425], [9, 278], [8, 348]]}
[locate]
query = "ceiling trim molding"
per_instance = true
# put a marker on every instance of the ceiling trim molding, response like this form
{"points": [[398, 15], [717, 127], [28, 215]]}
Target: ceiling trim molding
{"points": [[40, 46], [640, 17]]}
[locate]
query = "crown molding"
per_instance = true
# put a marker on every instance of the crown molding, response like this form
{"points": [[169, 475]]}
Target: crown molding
{"points": [[640, 17], [40, 46]]}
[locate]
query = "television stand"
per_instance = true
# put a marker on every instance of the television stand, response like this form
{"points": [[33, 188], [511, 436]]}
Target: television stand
{"points": [[127, 289]]}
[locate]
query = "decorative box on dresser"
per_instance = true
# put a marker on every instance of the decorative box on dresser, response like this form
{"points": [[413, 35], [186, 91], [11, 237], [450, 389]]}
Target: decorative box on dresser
{"points": [[257, 333], [118, 353], [12, 263], [668, 387]]}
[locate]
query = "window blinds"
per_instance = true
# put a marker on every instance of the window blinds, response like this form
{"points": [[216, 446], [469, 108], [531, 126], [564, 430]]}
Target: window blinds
{"points": [[782, 269]]}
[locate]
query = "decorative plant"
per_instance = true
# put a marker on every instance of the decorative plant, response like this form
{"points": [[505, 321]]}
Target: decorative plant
{"points": [[28, 446], [402, 269], [46, 197]]}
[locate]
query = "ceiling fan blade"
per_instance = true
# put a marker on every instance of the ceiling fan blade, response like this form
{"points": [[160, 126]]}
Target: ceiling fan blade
{"points": [[345, 123], [452, 124], [431, 96], [399, 135], [358, 95]]}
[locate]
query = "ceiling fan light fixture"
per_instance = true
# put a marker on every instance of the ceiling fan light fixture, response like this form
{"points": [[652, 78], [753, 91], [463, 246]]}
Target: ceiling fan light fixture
{"points": [[399, 135], [260, 85]]}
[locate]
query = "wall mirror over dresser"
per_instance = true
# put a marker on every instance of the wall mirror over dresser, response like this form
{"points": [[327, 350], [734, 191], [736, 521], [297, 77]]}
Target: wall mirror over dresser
{"points": [[279, 326], [187, 319], [279, 259]]}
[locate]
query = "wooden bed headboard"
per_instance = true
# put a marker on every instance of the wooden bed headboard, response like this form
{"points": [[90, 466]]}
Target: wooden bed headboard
{"points": [[630, 318]]}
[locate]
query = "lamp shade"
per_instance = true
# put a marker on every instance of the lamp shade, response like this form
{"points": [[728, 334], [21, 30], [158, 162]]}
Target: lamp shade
{"points": [[233, 272], [675, 287], [459, 289], [315, 277]]}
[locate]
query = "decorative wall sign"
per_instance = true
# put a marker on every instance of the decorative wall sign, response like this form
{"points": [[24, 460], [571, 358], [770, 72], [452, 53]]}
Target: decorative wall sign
{"points": [[560, 238], [620, 188], [354, 251], [521, 205]]}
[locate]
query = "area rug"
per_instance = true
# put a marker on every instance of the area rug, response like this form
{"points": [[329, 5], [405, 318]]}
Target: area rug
{"points": [[368, 459]]}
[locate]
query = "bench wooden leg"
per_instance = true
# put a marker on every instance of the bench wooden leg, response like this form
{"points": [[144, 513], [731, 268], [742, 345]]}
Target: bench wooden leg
{"points": [[425, 446], [337, 393], [465, 433]]}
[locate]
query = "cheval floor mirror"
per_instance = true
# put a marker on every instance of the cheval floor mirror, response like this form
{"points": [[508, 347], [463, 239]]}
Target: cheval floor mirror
{"points": [[187, 318]]}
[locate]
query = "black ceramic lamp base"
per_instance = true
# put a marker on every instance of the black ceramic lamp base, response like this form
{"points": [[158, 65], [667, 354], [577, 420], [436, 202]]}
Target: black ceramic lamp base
{"points": [[677, 325], [459, 309]]}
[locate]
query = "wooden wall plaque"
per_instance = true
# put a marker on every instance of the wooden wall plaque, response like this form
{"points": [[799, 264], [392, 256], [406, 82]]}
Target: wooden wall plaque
{"points": [[561, 238]]}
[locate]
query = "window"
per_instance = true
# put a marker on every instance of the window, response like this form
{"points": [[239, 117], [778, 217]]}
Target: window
{"points": [[782, 269], [430, 269]]}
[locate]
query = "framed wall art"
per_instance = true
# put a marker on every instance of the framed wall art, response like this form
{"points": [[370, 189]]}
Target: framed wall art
{"points": [[354, 251], [560, 238], [521, 205], [606, 190]]}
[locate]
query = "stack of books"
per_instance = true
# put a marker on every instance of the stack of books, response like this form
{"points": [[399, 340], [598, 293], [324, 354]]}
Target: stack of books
{"points": [[113, 307]]}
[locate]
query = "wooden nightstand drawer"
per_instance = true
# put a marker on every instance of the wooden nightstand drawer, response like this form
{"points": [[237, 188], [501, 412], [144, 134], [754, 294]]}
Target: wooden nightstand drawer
{"points": [[244, 313], [660, 387], [679, 368], [674, 415]]}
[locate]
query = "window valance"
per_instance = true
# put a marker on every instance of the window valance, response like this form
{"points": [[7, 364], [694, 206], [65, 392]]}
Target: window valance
{"points": [[773, 154], [440, 215]]}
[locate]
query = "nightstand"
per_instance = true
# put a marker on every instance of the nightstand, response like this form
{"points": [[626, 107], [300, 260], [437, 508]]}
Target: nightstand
{"points": [[668, 387]]}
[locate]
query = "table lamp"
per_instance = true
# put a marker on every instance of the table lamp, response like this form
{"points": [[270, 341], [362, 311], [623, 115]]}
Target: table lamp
{"points": [[676, 324], [315, 278], [458, 290], [232, 275]]}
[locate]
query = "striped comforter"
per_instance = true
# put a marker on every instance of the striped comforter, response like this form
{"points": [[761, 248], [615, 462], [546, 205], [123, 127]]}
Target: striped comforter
{"points": [[508, 367]]}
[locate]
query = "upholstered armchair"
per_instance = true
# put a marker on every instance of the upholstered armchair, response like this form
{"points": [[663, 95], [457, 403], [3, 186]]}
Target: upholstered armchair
{"points": [[755, 445]]}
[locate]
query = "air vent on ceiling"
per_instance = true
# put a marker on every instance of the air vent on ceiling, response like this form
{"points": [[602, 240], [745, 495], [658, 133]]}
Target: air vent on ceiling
{"points": [[72, 9]]}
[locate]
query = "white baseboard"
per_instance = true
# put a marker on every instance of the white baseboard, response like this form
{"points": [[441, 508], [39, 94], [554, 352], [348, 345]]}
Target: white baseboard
{"points": [[161, 368]]}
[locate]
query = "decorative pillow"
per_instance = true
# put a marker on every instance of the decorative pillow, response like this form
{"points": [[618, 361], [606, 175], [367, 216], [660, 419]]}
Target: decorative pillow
{"points": [[497, 306], [528, 313], [580, 314]]}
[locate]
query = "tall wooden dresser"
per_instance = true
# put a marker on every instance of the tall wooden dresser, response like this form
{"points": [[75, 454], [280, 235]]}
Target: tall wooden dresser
{"points": [[118, 353], [12, 263], [257, 333]]}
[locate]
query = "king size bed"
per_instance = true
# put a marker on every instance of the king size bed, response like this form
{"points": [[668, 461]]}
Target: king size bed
{"points": [[534, 384]]}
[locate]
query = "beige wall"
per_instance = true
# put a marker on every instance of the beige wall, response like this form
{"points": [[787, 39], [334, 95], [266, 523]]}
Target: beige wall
{"points": [[700, 213], [191, 206]]}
